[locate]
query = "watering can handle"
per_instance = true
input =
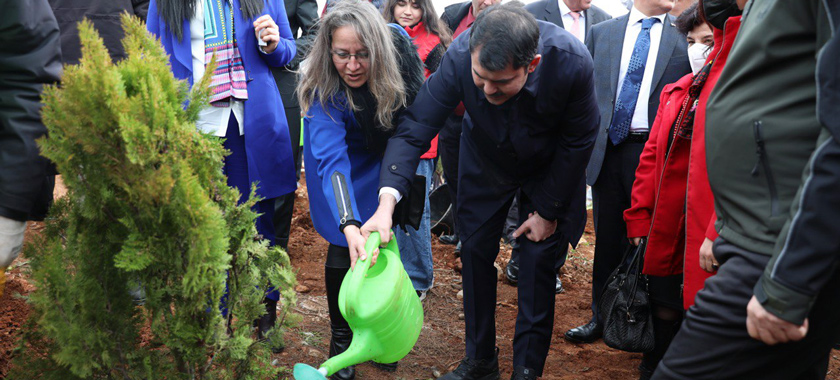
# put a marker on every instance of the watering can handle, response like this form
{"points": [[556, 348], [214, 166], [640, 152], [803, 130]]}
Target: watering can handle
{"points": [[357, 275]]}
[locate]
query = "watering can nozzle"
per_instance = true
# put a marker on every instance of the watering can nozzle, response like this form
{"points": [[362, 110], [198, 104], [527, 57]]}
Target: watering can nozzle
{"points": [[307, 372]]}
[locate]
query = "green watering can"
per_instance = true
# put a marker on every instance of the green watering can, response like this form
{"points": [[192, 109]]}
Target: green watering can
{"points": [[383, 311]]}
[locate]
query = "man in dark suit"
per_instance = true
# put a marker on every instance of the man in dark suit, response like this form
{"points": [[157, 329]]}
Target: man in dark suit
{"points": [[635, 56], [458, 18], [302, 14], [512, 141], [578, 16]]}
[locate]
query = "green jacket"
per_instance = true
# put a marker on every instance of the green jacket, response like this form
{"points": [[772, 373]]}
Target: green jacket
{"points": [[761, 125]]}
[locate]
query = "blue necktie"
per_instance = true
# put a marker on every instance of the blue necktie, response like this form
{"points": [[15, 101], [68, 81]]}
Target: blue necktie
{"points": [[625, 105]]}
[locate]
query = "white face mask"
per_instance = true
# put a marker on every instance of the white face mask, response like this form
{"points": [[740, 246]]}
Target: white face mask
{"points": [[697, 55]]}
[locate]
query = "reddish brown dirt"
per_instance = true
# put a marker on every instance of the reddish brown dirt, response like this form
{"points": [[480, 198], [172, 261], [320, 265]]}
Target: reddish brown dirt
{"points": [[441, 343]]}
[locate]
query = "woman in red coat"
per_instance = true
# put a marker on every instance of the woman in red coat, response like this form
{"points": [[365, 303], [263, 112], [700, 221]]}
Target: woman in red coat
{"points": [[671, 201]]}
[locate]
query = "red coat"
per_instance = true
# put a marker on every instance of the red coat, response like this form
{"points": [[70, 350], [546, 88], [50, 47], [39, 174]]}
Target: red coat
{"points": [[425, 42], [700, 210], [673, 205]]}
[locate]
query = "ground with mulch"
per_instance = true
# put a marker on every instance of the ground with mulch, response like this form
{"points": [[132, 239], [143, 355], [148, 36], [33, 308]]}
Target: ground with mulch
{"points": [[441, 342]]}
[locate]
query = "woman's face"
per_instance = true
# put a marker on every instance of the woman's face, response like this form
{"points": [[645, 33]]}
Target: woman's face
{"points": [[350, 57], [407, 13], [701, 34]]}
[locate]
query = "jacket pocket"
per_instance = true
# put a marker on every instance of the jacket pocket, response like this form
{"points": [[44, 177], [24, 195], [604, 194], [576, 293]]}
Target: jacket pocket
{"points": [[764, 164]]}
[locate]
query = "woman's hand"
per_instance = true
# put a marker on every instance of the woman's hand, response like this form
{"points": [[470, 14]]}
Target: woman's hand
{"points": [[356, 245], [268, 32], [707, 259]]}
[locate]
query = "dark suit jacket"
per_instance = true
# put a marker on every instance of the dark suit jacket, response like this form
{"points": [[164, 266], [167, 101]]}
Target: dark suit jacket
{"points": [[302, 14], [537, 143], [453, 14], [605, 43], [105, 15], [549, 10]]}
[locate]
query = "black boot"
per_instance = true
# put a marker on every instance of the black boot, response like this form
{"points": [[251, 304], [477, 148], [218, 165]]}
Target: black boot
{"points": [[267, 322], [341, 335], [663, 333]]}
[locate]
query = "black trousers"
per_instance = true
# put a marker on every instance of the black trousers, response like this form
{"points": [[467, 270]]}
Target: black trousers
{"points": [[611, 196], [449, 144], [512, 223], [535, 319], [284, 206], [713, 342]]}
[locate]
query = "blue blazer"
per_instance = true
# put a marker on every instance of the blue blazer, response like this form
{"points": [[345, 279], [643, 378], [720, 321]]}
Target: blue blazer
{"points": [[267, 144]]}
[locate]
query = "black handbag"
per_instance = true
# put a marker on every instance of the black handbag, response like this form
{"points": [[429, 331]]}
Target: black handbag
{"points": [[625, 307]]}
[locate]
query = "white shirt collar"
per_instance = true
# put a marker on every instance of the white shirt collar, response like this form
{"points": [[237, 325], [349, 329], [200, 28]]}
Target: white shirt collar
{"points": [[564, 9], [637, 15]]}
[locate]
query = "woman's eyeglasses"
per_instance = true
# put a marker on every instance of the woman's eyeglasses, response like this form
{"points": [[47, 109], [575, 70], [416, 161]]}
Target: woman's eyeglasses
{"points": [[344, 56]]}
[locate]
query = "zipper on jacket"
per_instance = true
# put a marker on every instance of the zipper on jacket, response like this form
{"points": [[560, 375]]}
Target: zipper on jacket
{"points": [[341, 190], [762, 161]]}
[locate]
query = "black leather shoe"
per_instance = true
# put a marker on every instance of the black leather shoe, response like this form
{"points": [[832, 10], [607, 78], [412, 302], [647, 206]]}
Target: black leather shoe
{"points": [[339, 342], [449, 239], [389, 367], [512, 271], [558, 285], [472, 369], [587, 333], [523, 373]]}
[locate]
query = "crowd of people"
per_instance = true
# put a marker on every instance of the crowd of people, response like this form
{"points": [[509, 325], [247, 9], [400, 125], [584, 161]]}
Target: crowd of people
{"points": [[707, 130]]}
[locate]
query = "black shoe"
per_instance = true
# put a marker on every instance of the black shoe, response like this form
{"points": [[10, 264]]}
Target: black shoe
{"points": [[523, 373], [587, 333], [558, 285], [512, 271], [389, 367], [472, 369], [449, 239], [339, 342]]}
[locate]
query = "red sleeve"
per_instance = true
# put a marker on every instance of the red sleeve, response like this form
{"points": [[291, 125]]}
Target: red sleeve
{"points": [[643, 196], [711, 232]]}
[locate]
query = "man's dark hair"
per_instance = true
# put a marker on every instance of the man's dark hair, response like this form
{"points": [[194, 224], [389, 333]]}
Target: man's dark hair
{"points": [[506, 34], [690, 19]]}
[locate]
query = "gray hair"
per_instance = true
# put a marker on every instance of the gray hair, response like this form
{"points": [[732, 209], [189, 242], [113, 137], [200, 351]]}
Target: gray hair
{"points": [[318, 78]]}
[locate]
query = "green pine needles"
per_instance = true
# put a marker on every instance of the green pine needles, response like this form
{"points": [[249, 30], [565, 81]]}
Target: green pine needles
{"points": [[147, 208]]}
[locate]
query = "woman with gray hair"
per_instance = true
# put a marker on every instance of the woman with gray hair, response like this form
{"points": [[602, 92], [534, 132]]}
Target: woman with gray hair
{"points": [[358, 77]]}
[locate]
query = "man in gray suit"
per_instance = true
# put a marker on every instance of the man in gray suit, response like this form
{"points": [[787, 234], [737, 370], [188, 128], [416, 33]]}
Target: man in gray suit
{"points": [[576, 16], [635, 56]]}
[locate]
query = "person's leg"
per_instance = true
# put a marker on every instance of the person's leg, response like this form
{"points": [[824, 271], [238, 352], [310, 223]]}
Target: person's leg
{"points": [[666, 306], [478, 254], [535, 319], [416, 245], [336, 267], [284, 206], [713, 342]]}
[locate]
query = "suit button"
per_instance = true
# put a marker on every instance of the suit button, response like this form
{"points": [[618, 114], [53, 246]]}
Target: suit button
{"points": [[556, 204], [393, 167]]}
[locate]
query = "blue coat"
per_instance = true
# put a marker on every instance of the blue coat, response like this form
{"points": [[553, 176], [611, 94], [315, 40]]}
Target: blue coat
{"points": [[334, 154], [267, 144]]}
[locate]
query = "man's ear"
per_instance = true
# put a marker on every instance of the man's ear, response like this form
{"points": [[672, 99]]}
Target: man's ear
{"points": [[534, 62]]}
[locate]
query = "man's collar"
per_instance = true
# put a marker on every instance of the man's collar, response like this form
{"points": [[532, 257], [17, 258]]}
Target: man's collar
{"points": [[564, 9], [637, 15]]}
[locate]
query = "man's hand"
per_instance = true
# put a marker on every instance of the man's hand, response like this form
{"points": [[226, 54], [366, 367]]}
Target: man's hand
{"points": [[382, 219], [268, 32], [707, 259], [769, 328], [636, 241], [536, 228]]}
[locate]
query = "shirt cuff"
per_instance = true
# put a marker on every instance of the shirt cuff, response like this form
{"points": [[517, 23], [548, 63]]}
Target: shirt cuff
{"points": [[392, 191]]}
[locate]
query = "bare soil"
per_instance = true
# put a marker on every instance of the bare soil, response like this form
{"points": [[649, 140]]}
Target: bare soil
{"points": [[441, 343]]}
